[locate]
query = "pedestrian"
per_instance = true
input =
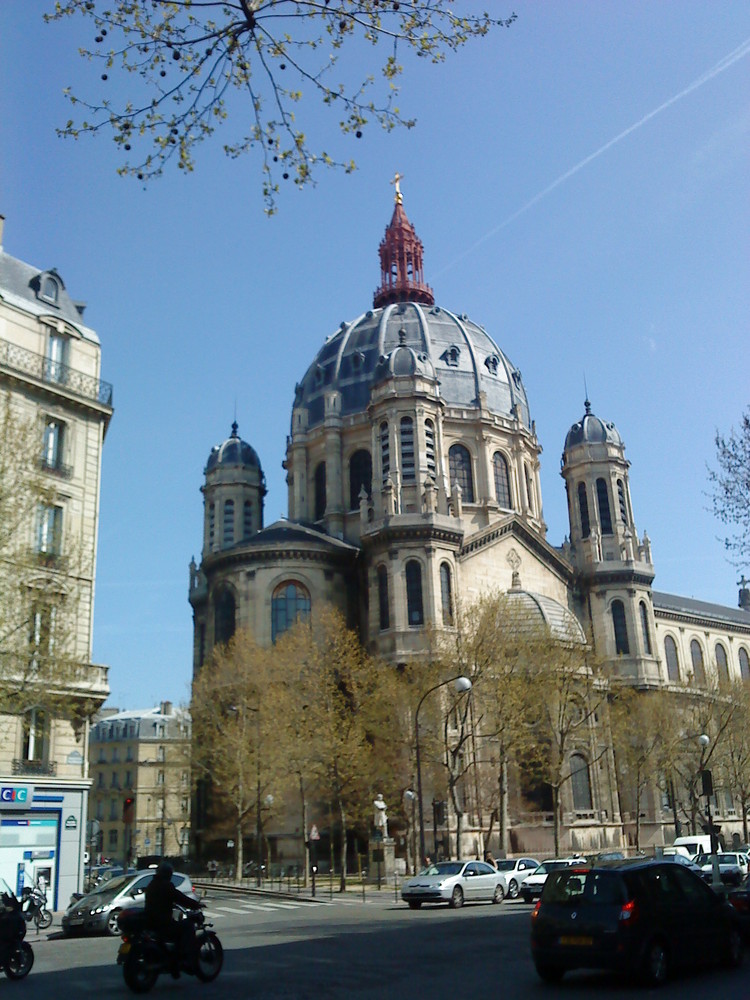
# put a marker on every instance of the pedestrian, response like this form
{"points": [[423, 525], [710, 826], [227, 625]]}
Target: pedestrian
{"points": [[490, 860]]}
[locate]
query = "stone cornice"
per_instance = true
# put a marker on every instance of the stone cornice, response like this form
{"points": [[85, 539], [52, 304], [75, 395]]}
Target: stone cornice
{"points": [[515, 527], [700, 621]]}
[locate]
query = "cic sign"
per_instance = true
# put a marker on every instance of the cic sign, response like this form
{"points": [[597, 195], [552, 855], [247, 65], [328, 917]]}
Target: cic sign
{"points": [[15, 796]]}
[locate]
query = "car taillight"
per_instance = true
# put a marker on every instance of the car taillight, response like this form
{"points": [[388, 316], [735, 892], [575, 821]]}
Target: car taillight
{"points": [[537, 908], [629, 911], [739, 902]]}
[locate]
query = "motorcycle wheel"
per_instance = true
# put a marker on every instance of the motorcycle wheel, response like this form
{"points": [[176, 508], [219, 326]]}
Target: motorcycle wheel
{"points": [[137, 975], [20, 961], [42, 919], [210, 957]]}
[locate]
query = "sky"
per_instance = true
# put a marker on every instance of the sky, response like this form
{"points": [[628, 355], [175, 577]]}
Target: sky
{"points": [[579, 182]]}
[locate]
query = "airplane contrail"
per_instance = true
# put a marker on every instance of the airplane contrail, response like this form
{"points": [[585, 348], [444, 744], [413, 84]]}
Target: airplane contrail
{"points": [[723, 64]]}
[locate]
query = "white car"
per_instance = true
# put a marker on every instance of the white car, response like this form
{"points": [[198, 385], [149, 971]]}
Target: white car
{"points": [[532, 885], [515, 871], [454, 883]]}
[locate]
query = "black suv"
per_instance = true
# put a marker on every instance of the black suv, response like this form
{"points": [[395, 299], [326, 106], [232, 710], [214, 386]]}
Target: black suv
{"points": [[641, 917]]}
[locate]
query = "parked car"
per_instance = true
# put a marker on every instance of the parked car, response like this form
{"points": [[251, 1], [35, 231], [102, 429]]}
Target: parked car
{"points": [[740, 900], [699, 843], [532, 885], [515, 871], [731, 867], [97, 911], [680, 859], [454, 883], [637, 916]]}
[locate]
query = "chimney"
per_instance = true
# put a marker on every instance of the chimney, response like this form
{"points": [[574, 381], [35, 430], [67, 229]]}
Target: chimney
{"points": [[2, 226], [166, 708], [744, 601]]}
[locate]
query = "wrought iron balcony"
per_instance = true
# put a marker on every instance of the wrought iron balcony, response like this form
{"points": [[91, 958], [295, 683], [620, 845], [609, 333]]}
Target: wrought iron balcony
{"points": [[36, 768], [54, 373], [56, 468]]}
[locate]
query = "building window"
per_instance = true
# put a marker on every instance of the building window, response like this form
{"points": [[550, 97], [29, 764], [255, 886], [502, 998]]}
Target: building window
{"points": [[52, 444], [227, 537], [211, 525], [414, 609], [673, 662], [160, 754], [224, 616], [128, 779], [114, 780], [744, 665], [407, 450], [160, 781], [645, 629], [581, 783], [113, 834], [621, 501], [184, 805], [699, 669], [100, 781], [529, 489], [247, 519], [459, 466], [446, 593], [583, 510], [622, 646], [429, 440], [385, 451], [722, 665], [602, 497], [113, 810], [49, 531], [35, 735], [54, 364], [290, 601], [502, 480], [383, 602], [49, 290], [320, 491], [42, 637], [360, 476]]}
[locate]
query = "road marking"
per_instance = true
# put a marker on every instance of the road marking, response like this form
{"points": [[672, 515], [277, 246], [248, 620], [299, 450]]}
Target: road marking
{"points": [[229, 909]]}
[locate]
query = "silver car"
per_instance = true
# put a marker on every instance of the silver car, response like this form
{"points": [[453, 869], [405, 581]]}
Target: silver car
{"points": [[98, 910], [454, 883]]}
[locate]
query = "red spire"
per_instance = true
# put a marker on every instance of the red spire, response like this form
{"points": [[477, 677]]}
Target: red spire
{"points": [[401, 275]]}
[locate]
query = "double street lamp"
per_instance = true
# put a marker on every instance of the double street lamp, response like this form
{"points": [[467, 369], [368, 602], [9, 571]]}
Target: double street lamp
{"points": [[461, 685]]}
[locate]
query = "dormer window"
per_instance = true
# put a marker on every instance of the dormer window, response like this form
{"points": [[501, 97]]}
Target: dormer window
{"points": [[451, 355], [49, 288], [492, 362]]}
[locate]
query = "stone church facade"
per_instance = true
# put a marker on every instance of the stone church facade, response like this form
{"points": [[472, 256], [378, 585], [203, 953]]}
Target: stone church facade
{"points": [[413, 477]]}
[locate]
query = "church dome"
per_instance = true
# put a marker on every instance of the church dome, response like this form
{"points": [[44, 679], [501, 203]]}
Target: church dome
{"points": [[538, 610], [233, 452], [591, 430], [405, 333]]}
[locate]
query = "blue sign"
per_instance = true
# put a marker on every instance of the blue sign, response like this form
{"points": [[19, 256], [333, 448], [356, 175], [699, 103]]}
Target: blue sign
{"points": [[14, 793]]}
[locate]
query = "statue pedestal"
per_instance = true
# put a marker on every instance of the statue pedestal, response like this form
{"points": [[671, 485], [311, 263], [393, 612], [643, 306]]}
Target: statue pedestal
{"points": [[381, 852]]}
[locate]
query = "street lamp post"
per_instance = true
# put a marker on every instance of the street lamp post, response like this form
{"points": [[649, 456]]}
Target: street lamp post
{"points": [[708, 790], [411, 796], [461, 684]]}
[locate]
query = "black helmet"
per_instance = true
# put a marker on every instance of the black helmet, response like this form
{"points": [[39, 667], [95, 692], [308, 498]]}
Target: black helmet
{"points": [[164, 871]]}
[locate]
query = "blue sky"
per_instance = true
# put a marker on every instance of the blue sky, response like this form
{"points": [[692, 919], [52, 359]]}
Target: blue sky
{"points": [[622, 262]]}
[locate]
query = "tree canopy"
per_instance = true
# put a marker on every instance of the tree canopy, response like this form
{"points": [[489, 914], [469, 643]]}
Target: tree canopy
{"points": [[186, 60], [730, 495]]}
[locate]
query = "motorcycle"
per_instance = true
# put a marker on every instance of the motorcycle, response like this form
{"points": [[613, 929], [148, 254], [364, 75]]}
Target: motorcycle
{"points": [[144, 956], [16, 955], [34, 902]]}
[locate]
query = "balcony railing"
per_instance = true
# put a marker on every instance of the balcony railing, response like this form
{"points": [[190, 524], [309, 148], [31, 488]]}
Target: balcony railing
{"points": [[36, 768], [54, 373], [56, 468]]}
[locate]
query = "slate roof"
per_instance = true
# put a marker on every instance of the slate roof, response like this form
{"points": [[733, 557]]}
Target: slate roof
{"points": [[700, 609]]}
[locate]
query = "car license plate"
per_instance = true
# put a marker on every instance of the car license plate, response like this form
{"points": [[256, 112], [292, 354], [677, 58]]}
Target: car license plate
{"points": [[576, 941]]}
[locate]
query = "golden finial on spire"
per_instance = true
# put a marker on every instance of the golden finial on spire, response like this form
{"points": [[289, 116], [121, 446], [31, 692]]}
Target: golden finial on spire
{"points": [[397, 181]]}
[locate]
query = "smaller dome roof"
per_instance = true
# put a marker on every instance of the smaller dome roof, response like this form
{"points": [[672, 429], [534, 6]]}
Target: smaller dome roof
{"points": [[536, 609], [404, 360], [234, 451], [591, 430]]}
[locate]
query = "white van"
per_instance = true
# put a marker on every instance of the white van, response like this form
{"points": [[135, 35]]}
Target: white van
{"points": [[697, 844]]}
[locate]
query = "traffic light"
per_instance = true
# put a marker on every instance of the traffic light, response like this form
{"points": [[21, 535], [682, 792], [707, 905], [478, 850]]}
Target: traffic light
{"points": [[128, 809]]}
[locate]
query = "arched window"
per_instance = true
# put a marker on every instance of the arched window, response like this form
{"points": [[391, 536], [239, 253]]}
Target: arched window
{"points": [[622, 502], [446, 593], [360, 475], [227, 537], [744, 665], [35, 735], [385, 610], [459, 466], [530, 488], [211, 525], [622, 646], [580, 782], [290, 601], [645, 629], [429, 442], [722, 665], [247, 519], [414, 609], [385, 451], [602, 497], [224, 616], [699, 670], [673, 661], [320, 491], [407, 450], [502, 480], [583, 510]]}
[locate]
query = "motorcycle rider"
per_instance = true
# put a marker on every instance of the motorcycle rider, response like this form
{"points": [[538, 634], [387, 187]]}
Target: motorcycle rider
{"points": [[161, 895]]}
